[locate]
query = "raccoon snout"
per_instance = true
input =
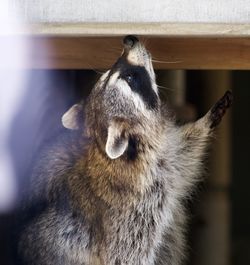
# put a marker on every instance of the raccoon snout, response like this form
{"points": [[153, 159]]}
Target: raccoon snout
{"points": [[129, 41]]}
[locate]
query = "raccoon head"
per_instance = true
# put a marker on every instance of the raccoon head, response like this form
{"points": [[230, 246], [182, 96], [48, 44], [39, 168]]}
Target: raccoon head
{"points": [[123, 100]]}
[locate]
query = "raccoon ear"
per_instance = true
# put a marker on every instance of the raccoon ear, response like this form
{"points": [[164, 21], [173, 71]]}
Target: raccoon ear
{"points": [[116, 143], [73, 117]]}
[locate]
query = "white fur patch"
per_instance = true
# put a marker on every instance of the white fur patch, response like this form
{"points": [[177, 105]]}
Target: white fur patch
{"points": [[128, 93], [104, 76], [154, 86], [125, 88], [133, 58], [114, 77]]}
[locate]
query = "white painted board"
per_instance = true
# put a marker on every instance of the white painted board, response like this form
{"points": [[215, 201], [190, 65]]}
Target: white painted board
{"points": [[167, 11]]}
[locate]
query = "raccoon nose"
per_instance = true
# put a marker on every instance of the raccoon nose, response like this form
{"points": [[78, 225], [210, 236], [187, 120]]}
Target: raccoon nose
{"points": [[129, 41]]}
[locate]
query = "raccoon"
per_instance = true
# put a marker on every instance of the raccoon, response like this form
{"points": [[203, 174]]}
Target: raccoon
{"points": [[111, 190]]}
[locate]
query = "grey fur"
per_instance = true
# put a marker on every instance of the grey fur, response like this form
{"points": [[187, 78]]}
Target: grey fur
{"points": [[119, 202]]}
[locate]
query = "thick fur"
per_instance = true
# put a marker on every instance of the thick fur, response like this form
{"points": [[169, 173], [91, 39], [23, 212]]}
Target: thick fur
{"points": [[112, 191]]}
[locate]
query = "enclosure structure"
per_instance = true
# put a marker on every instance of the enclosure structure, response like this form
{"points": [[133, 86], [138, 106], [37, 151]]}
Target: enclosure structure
{"points": [[84, 34]]}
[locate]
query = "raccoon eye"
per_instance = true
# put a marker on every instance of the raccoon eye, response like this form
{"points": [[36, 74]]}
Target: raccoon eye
{"points": [[128, 78]]}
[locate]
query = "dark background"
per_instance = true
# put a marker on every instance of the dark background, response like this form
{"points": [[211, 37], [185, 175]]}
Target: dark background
{"points": [[51, 93]]}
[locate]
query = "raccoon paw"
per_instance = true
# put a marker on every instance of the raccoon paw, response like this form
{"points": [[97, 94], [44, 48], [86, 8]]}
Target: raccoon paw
{"points": [[219, 109]]}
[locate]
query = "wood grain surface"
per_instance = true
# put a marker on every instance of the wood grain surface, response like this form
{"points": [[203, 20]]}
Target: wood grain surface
{"points": [[52, 52]]}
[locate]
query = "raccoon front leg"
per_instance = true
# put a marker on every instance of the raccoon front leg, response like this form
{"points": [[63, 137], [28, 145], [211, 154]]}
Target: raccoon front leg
{"points": [[194, 140], [172, 250], [198, 130]]}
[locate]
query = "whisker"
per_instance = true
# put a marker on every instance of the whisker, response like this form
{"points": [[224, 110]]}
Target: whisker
{"points": [[159, 61], [167, 88], [97, 71], [144, 41], [113, 49]]}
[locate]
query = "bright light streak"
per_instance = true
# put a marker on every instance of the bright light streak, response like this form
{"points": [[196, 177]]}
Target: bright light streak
{"points": [[12, 58]]}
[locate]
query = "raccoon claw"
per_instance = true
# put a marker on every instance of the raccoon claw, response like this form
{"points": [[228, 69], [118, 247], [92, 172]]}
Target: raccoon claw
{"points": [[219, 109]]}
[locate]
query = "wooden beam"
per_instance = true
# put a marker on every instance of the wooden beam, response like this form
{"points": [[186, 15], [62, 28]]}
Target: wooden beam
{"points": [[97, 45], [148, 29], [91, 52]]}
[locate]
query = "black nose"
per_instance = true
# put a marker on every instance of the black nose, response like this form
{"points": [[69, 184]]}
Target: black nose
{"points": [[129, 41]]}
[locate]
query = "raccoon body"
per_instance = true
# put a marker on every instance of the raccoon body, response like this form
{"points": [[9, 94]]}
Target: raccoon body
{"points": [[112, 188]]}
